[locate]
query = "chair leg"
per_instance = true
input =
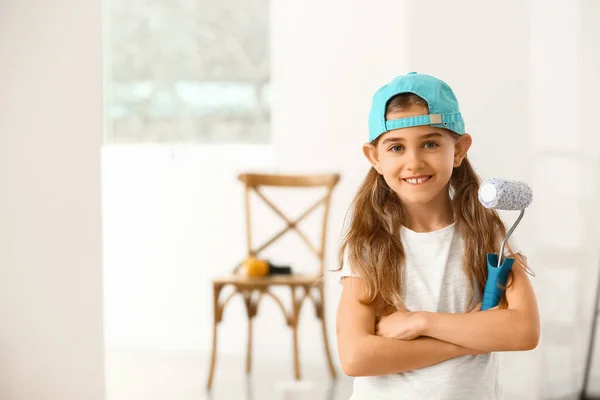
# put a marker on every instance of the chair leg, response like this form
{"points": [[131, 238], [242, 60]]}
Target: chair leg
{"points": [[251, 308], [294, 325], [321, 314], [216, 320], [249, 350], [296, 356]]}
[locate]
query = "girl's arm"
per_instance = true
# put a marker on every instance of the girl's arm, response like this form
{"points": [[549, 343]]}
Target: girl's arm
{"points": [[362, 353], [511, 329]]}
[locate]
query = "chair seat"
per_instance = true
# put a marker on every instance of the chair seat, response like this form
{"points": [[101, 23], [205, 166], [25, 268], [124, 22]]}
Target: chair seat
{"points": [[251, 281]]}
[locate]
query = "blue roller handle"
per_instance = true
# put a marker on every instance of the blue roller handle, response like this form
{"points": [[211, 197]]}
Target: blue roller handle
{"points": [[496, 280]]}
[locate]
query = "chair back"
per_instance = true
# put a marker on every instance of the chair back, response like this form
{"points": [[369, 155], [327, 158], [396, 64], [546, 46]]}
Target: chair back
{"points": [[255, 183]]}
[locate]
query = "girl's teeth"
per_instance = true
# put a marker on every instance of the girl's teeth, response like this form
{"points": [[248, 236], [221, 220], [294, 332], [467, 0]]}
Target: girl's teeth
{"points": [[418, 180]]}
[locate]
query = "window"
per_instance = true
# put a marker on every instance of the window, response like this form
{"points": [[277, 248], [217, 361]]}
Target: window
{"points": [[192, 71]]}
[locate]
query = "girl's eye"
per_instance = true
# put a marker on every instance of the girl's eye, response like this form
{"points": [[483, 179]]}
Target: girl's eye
{"points": [[430, 145], [396, 148]]}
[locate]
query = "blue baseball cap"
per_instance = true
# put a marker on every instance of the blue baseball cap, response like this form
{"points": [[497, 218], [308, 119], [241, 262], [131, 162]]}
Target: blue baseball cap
{"points": [[443, 105]]}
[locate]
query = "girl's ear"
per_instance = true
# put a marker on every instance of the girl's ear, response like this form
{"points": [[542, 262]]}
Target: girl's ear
{"points": [[463, 143], [370, 151]]}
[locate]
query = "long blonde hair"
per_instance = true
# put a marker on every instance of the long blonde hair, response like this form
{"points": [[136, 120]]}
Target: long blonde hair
{"points": [[372, 242]]}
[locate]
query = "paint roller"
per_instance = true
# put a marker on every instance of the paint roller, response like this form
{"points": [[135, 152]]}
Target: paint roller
{"points": [[501, 194]]}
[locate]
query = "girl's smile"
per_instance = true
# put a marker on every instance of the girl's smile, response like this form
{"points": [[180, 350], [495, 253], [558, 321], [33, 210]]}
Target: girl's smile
{"points": [[417, 180]]}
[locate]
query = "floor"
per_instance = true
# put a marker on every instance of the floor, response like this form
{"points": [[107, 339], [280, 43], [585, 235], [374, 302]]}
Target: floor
{"points": [[143, 375], [139, 375]]}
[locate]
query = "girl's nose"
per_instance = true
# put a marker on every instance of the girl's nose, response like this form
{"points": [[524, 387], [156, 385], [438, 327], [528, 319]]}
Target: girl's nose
{"points": [[414, 160]]}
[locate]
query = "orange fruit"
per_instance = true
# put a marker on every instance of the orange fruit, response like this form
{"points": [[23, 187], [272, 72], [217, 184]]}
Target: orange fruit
{"points": [[256, 267]]}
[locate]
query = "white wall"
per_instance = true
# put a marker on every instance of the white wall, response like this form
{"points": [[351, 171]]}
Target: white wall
{"points": [[172, 220], [504, 60], [589, 162], [51, 342]]}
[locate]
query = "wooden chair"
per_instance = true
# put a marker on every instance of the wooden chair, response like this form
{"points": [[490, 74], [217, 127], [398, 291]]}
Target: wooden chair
{"points": [[252, 289]]}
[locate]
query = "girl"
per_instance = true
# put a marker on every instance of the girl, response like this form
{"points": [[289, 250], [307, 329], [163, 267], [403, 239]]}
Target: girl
{"points": [[413, 259]]}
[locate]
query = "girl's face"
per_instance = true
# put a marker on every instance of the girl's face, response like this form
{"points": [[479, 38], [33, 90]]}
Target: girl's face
{"points": [[417, 162]]}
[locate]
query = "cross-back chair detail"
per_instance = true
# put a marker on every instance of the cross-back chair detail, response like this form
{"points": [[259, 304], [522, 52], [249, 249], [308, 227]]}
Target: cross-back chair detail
{"points": [[253, 182]]}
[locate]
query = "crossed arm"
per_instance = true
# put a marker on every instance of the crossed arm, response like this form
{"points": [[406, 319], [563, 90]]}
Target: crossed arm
{"points": [[439, 336]]}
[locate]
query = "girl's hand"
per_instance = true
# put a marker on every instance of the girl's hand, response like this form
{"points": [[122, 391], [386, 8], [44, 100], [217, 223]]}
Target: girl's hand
{"points": [[407, 325], [403, 325]]}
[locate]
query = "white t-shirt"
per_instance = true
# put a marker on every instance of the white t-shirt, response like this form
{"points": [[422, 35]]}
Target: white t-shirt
{"points": [[436, 282]]}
